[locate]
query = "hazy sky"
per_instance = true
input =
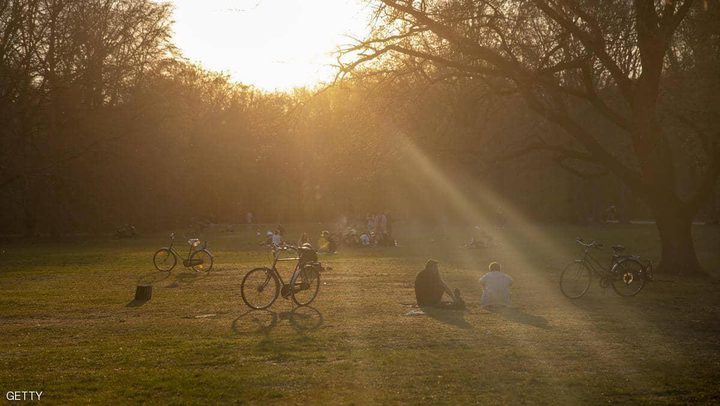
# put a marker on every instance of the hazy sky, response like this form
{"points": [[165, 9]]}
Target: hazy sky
{"points": [[272, 44]]}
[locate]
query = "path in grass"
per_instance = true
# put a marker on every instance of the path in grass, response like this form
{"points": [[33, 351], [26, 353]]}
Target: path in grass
{"points": [[67, 330]]}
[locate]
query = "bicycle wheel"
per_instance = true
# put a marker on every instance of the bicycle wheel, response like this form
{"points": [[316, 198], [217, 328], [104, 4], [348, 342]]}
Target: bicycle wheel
{"points": [[305, 286], [260, 288], [164, 260], [575, 280], [627, 279], [201, 261]]}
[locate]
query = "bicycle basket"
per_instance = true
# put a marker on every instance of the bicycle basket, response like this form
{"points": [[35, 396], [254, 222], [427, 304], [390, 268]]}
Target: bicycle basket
{"points": [[316, 266], [307, 255]]}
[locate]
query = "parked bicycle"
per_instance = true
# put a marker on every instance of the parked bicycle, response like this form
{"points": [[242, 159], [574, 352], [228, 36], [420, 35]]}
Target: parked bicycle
{"points": [[262, 286], [626, 274], [199, 258]]}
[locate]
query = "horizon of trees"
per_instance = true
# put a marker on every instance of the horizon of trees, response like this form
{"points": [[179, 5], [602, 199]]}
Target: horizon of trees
{"points": [[102, 123]]}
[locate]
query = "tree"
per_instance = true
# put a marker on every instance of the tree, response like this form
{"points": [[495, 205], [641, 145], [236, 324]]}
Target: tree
{"points": [[573, 62], [66, 68]]}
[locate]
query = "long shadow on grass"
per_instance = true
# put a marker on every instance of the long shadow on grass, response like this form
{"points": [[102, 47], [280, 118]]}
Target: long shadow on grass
{"points": [[452, 317], [186, 279], [520, 316], [152, 278], [136, 303], [262, 322]]}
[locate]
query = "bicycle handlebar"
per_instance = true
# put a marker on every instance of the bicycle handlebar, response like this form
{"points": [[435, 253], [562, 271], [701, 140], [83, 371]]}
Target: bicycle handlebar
{"points": [[593, 244], [285, 247]]}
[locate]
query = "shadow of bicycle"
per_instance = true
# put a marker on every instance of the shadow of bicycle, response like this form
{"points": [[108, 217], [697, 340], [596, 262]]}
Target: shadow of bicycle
{"points": [[262, 322], [187, 278], [304, 318]]}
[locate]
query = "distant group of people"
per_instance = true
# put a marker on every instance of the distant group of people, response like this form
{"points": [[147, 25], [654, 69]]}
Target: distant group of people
{"points": [[430, 288], [351, 237], [375, 230], [378, 232], [276, 238], [379, 223]]}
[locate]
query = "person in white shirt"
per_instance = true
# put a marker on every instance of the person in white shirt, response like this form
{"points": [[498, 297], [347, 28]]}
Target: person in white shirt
{"points": [[496, 287]]}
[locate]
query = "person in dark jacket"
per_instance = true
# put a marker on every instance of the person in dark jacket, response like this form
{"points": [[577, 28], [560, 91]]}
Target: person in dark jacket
{"points": [[429, 289]]}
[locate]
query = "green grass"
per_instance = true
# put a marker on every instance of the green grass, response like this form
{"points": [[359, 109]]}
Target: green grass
{"points": [[66, 327]]}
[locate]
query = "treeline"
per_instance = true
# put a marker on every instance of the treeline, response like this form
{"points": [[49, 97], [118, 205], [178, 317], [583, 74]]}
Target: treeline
{"points": [[102, 123]]}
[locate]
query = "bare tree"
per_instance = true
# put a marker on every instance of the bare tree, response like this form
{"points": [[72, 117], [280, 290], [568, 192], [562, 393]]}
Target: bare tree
{"points": [[608, 57], [64, 66]]}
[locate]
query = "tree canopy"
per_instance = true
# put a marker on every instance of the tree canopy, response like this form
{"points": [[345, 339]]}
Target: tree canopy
{"points": [[604, 73]]}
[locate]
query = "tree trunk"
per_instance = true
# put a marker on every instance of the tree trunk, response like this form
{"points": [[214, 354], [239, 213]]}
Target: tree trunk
{"points": [[713, 217], [677, 248], [29, 219]]}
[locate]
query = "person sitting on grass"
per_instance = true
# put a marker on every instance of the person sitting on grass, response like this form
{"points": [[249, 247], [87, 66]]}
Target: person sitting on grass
{"points": [[429, 289], [365, 239], [327, 243], [350, 237], [268, 239], [496, 287]]}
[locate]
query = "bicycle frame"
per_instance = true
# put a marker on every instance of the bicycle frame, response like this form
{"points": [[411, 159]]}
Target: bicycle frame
{"points": [[190, 251], [621, 273], [276, 259], [593, 263], [305, 277]]}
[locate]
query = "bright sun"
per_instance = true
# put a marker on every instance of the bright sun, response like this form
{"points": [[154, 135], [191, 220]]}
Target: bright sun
{"points": [[271, 44]]}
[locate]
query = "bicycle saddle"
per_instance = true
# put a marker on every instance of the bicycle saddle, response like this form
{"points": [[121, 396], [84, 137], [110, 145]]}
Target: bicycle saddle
{"points": [[618, 248], [193, 242]]}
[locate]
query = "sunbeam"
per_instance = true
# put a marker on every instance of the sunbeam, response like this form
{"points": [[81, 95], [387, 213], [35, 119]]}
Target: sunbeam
{"points": [[429, 175]]}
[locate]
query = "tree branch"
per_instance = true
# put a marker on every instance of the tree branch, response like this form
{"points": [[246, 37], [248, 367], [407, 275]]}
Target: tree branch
{"points": [[595, 45], [600, 154]]}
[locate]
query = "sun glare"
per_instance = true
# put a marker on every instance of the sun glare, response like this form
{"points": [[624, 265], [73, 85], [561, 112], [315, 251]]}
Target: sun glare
{"points": [[270, 44]]}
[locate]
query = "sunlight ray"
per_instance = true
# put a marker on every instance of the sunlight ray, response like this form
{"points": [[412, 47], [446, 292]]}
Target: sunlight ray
{"points": [[583, 329]]}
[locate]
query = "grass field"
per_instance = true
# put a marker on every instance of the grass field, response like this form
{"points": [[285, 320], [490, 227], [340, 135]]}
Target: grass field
{"points": [[68, 327]]}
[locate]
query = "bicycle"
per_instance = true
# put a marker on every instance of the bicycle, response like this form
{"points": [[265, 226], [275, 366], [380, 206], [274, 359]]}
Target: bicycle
{"points": [[262, 286], [198, 258], [626, 274]]}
